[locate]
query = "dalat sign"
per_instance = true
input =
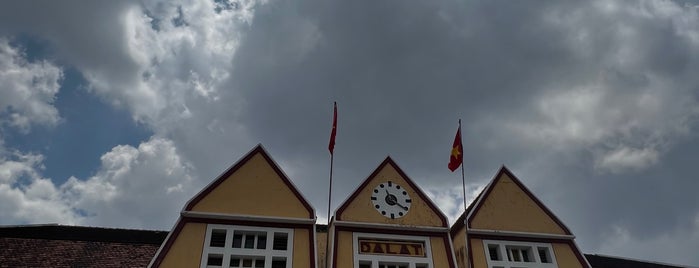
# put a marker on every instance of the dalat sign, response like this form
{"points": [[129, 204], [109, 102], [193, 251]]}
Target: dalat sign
{"points": [[400, 248]]}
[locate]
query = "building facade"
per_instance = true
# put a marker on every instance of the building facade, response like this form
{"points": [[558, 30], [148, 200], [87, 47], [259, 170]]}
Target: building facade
{"points": [[253, 216]]}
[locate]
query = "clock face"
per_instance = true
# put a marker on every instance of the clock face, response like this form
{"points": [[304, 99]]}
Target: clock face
{"points": [[391, 200]]}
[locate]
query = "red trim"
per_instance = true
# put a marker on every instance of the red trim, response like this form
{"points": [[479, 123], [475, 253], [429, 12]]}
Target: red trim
{"points": [[450, 251], [184, 220], [238, 165], [444, 235], [514, 178], [249, 223], [569, 242], [410, 182], [168, 242]]}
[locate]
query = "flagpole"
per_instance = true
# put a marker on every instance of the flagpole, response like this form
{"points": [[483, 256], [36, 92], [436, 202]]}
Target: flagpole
{"points": [[463, 177], [463, 185], [331, 148], [330, 191]]}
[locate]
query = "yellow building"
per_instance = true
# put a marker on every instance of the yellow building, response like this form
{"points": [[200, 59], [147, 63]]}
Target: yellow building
{"points": [[388, 222], [509, 227], [253, 216]]}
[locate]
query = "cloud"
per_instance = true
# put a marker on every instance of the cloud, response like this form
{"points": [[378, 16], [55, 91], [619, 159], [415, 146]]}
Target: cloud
{"points": [[26, 197], [27, 89], [630, 96], [625, 243], [136, 187], [628, 158], [590, 103]]}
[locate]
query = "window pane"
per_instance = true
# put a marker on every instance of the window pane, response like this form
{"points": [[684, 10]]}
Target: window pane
{"points": [[279, 263], [280, 241], [214, 260], [493, 252], [364, 264], [247, 262], [525, 256], [235, 262], [261, 242], [218, 238], [260, 263], [544, 255], [237, 240], [249, 241]]}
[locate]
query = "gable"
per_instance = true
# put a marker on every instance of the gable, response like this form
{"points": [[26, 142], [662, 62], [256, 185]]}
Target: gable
{"points": [[359, 207], [253, 186], [507, 205]]}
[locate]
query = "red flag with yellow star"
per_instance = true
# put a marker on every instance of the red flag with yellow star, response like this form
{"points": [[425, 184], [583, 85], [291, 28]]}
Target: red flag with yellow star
{"points": [[331, 145], [457, 152]]}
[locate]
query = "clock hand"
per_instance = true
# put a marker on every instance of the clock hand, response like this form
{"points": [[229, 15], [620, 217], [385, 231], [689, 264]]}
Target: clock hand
{"points": [[401, 206], [391, 200]]}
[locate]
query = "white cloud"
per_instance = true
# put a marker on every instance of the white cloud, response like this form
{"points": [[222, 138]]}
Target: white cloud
{"points": [[451, 200], [27, 197], [16, 165], [626, 158], [27, 89], [181, 52], [134, 187]]}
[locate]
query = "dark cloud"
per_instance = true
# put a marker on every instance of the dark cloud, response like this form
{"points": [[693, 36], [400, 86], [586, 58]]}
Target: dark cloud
{"points": [[403, 73], [592, 104]]}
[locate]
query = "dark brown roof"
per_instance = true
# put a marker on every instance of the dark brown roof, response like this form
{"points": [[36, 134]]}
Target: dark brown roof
{"points": [[73, 246], [601, 261]]}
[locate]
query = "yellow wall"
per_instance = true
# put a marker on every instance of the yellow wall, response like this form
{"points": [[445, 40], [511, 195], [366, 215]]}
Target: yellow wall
{"points": [[479, 260], [440, 258], [565, 256], [254, 183], [321, 248], [361, 208], [301, 249], [460, 253], [509, 208], [187, 248], [345, 252]]}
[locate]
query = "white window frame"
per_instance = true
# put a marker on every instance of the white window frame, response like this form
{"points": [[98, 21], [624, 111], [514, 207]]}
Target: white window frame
{"points": [[375, 260], [506, 263], [227, 250]]}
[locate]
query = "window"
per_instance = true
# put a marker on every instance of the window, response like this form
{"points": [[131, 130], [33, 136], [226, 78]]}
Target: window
{"points": [[247, 246], [391, 251], [511, 254]]}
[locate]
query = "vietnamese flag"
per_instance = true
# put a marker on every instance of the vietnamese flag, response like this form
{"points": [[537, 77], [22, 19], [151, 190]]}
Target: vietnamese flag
{"points": [[331, 145], [457, 152]]}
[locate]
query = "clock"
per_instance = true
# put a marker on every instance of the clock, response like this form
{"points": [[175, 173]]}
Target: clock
{"points": [[391, 200]]}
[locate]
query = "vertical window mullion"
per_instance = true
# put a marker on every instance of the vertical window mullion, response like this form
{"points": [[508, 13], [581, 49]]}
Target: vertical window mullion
{"points": [[227, 250], [268, 249]]}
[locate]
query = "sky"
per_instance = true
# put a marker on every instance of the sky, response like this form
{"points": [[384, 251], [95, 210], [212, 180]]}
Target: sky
{"points": [[115, 113]]}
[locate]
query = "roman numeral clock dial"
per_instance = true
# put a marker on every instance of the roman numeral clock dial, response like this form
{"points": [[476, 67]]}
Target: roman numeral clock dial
{"points": [[391, 200]]}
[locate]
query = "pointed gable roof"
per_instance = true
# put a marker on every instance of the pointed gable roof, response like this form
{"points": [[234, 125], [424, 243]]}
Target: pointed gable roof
{"points": [[486, 194], [389, 165], [200, 197]]}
